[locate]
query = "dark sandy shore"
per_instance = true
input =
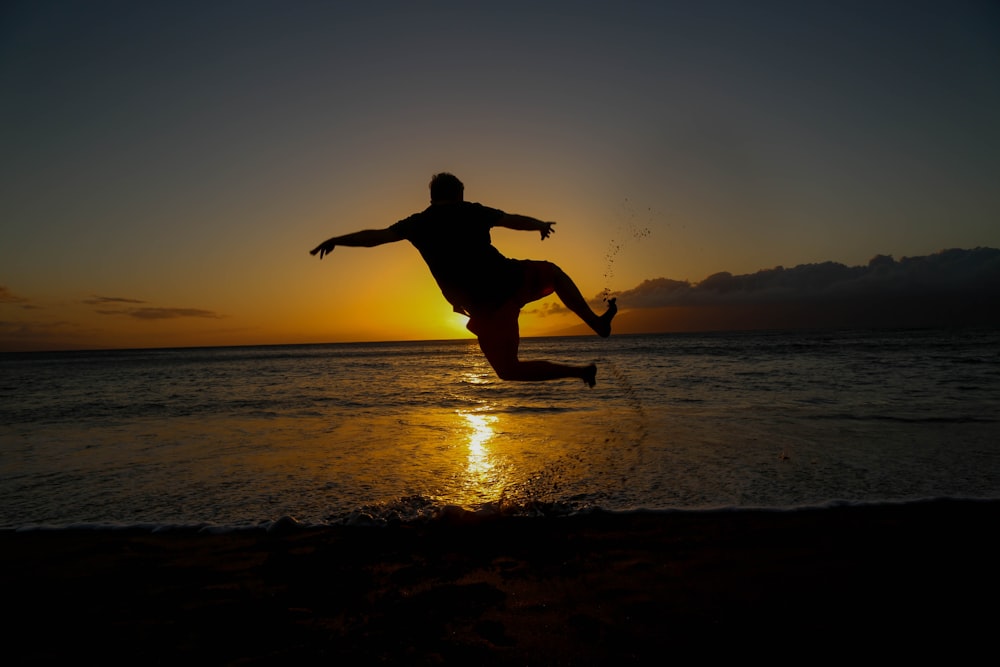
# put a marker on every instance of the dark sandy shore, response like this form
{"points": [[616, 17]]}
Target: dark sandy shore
{"points": [[898, 581]]}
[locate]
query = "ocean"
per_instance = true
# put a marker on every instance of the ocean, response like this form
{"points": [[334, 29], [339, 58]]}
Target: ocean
{"points": [[372, 433]]}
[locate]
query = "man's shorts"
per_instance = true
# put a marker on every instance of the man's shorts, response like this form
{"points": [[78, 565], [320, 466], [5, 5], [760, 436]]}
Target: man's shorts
{"points": [[538, 282]]}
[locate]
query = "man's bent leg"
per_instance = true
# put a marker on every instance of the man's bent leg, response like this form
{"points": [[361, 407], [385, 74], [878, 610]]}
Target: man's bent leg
{"points": [[499, 342], [570, 295]]}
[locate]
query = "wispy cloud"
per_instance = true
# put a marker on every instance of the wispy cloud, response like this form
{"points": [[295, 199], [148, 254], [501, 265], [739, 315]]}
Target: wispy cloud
{"points": [[6, 296], [36, 333], [151, 313], [143, 312], [102, 300]]}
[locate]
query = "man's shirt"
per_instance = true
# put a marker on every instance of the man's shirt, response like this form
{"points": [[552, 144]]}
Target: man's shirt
{"points": [[454, 240]]}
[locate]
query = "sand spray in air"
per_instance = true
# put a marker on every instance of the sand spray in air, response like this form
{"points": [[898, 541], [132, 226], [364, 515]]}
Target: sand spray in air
{"points": [[630, 231]]}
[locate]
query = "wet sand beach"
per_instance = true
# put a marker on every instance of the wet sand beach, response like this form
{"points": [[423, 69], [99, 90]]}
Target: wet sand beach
{"points": [[589, 589]]}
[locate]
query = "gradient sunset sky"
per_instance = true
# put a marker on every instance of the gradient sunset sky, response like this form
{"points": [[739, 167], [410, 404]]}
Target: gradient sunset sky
{"points": [[166, 166]]}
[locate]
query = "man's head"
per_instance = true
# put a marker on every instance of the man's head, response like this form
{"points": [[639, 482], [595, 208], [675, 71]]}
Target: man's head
{"points": [[446, 187]]}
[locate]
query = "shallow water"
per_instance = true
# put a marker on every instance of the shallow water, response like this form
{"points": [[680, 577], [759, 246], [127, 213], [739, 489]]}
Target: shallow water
{"points": [[237, 436]]}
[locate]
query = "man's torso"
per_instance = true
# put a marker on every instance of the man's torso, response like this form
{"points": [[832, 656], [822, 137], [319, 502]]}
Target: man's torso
{"points": [[454, 240]]}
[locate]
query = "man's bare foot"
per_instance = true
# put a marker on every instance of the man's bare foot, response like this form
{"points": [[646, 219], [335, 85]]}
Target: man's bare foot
{"points": [[590, 375], [603, 326]]}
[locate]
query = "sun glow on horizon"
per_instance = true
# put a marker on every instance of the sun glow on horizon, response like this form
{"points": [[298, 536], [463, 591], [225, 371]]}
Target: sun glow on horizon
{"points": [[456, 323]]}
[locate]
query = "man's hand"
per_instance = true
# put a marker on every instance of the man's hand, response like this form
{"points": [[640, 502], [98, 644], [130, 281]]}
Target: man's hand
{"points": [[324, 248], [525, 223], [366, 238]]}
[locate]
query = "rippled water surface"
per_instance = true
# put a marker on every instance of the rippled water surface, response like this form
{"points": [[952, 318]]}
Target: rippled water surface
{"points": [[237, 436]]}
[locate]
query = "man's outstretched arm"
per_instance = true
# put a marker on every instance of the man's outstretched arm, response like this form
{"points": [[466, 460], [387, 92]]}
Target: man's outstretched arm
{"points": [[367, 238], [526, 223]]}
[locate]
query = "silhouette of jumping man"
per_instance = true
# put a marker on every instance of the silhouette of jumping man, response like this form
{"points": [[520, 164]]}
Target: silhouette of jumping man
{"points": [[453, 237]]}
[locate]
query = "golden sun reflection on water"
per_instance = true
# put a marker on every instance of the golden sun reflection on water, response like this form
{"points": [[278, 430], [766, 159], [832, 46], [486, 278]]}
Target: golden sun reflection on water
{"points": [[484, 477], [479, 463]]}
